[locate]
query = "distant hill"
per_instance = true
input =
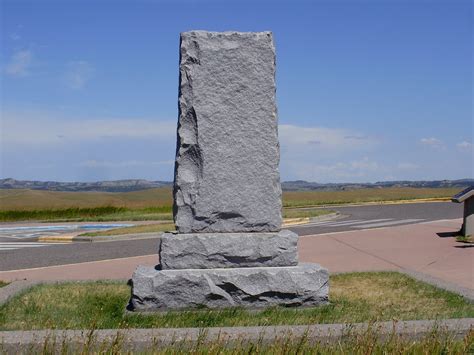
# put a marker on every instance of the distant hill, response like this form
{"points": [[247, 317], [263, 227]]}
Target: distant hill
{"points": [[104, 186], [139, 184], [301, 185]]}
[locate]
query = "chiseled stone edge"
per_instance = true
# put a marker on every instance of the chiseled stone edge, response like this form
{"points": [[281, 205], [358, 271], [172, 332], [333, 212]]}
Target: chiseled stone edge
{"points": [[228, 250], [291, 286]]}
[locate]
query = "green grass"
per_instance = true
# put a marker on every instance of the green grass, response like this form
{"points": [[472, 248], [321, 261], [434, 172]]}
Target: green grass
{"points": [[105, 213], [3, 283], [146, 228], [371, 341], [355, 297], [465, 239], [168, 227]]}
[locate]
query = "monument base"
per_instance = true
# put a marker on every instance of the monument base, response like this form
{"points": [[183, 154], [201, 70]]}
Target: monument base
{"points": [[252, 287]]}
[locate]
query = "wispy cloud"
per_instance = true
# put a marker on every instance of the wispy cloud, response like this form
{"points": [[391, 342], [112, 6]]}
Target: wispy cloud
{"points": [[19, 64], [78, 73], [122, 164], [407, 166], [433, 143], [464, 146], [352, 170], [321, 138], [39, 128]]}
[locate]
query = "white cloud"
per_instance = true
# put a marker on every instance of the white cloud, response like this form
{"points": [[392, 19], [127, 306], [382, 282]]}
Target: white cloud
{"points": [[122, 164], [19, 64], [39, 129], [348, 171], [321, 138], [407, 166], [432, 142], [78, 73], [464, 146]]}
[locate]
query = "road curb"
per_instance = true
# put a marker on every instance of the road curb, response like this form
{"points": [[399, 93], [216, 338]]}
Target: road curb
{"points": [[141, 339], [15, 288], [101, 238]]}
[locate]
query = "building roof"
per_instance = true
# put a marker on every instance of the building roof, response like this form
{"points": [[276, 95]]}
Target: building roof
{"points": [[463, 195]]}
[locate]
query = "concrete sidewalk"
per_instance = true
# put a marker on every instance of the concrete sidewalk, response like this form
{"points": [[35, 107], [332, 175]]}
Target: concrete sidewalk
{"points": [[426, 248]]}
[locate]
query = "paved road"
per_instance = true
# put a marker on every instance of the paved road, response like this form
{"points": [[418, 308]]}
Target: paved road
{"points": [[377, 216], [20, 255]]}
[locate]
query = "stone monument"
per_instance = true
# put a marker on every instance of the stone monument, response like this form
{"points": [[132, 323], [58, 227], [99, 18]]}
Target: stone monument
{"points": [[229, 249]]}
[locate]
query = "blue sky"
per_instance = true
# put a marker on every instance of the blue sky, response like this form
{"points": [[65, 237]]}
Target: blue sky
{"points": [[366, 90]]}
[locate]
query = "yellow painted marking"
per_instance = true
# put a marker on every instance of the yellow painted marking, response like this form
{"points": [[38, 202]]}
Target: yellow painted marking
{"points": [[56, 238]]}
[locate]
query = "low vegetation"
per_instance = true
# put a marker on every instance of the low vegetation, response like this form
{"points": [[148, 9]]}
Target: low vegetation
{"points": [[355, 297], [439, 341], [465, 239], [145, 228], [156, 204], [169, 227], [97, 214], [3, 283], [317, 198]]}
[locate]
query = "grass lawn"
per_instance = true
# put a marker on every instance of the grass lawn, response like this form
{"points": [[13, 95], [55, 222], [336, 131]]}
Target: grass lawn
{"points": [[355, 297], [147, 228], [168, 227], [155, 204]]}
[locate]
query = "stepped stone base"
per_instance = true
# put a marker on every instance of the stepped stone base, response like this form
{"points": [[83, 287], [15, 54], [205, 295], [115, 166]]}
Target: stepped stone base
{"points": [[228, 250], [253, 287]]}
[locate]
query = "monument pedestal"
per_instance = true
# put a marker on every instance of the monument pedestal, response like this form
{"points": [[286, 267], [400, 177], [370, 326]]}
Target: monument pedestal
{"points": [[251, 270]]}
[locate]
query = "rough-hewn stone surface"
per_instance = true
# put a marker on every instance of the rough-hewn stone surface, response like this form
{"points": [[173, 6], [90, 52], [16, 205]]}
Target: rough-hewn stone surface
{"points": [[302, 285], [226, 172], [224, 250]]}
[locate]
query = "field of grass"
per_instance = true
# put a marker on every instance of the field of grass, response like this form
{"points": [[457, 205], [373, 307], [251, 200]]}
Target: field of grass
{"points": [[30, 200], [356, 297], [317, 198], [155, 204], [97, 214]]}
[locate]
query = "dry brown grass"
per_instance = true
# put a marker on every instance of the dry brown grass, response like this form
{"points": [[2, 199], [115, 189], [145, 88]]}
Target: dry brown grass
{"points": [[315, 198], [38, 199]]}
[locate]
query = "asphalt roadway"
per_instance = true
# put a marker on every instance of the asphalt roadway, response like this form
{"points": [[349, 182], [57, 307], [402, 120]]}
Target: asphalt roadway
{"points": [[351, 218]]}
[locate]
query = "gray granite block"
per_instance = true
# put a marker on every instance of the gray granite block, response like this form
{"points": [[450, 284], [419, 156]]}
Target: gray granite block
{"points": [[226, 171], [224, 250], [291, 286]]}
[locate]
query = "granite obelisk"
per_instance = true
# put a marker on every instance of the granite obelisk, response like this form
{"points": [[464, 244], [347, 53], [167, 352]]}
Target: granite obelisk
{"points": [[229, 249]]}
